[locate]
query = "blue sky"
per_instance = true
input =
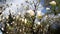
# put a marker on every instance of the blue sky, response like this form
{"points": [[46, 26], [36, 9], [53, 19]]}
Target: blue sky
{"points": [[19, 2], [0, 32], [44, 10]]}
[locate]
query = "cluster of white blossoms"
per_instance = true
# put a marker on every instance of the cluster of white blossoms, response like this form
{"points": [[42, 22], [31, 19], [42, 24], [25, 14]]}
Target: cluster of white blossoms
{"points": [[24, 20], [31, 12], [53, 3]]}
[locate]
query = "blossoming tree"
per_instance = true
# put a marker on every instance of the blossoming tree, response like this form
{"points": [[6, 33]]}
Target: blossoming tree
{"points": [[26, 17]]}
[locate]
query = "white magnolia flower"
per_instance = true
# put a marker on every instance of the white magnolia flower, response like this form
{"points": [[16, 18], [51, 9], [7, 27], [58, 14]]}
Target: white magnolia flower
{"points": [[46, 16], [7, 17], [39, 14], [19, 13], [17, 17], [22, 19], [47, 25], [47, 8], [31, 12], [7, 24], [13, 17], [25, 20], [53, 3], [3, 17], [38, 23], [2, 28]]}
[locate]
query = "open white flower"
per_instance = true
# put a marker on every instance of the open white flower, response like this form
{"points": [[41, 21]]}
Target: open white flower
{"points": [[39, 14], [31, 12], [53, 3]]}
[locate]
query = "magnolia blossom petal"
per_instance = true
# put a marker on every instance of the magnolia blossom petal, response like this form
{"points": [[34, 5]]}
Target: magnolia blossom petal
{"points": [[53, 3], [31, 12], [25, 20], [39, 14]]}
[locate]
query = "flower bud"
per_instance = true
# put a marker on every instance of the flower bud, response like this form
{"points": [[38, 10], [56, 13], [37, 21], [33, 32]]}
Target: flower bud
{"points": [[19, 13], [2, 28], [3, 18], [53, 3], [25, 20], [7, 24]]}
